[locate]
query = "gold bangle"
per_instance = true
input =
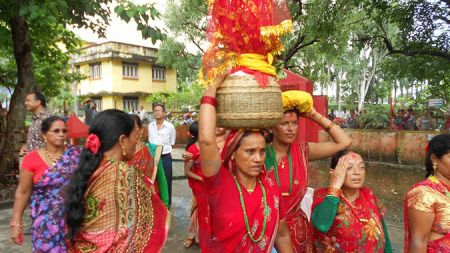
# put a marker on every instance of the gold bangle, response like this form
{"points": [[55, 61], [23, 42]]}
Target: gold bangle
{"points": [[16, 224], [333, 191], [331, 125]]}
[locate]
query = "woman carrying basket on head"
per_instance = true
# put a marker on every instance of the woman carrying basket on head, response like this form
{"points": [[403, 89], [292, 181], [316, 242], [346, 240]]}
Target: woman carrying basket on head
{"points": [[287, 161], [245, 210]]}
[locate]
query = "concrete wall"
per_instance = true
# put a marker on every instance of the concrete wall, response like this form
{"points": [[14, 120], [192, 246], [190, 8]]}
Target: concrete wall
{"points": [[403, 147]]}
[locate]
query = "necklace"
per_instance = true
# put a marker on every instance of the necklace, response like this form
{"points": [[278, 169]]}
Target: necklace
{"points": [[272, 162], [52, 159], [265, 212], [353, 208]]}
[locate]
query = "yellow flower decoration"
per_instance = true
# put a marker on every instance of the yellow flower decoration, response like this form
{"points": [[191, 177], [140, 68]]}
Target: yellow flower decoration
{"points": [[295, 99], [371, 230], [434, 179]]}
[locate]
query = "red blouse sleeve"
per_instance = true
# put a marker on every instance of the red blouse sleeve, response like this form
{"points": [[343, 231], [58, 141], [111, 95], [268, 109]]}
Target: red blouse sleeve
{"points": [[29, 162], [194, 151], [33, 163]]}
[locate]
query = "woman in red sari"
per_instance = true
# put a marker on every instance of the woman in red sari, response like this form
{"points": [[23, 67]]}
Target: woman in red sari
{"points": [[111, 206], [287, 161], [245, 210], [347, 217], [427, 204], [193, 173], [199, 216]]}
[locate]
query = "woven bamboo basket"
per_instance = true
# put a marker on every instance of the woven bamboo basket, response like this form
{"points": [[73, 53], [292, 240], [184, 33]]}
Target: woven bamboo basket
{"points": [[242, 103]]}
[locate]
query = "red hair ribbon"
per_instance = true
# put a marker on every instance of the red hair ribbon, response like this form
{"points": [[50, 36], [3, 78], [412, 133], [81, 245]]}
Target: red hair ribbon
{"points": [[427, 147], [92, 143]]}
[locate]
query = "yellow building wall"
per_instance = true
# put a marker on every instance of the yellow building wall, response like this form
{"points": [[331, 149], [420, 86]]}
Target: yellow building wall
{"points": [[91, 86], [147, 105], [108, 102], [144, 83], [170, 84], [112, 82], [119, 102]]}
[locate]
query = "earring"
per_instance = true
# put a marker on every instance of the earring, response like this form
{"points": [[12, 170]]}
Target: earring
{"points": [[434, 166], [123, 151], [45, 140]]}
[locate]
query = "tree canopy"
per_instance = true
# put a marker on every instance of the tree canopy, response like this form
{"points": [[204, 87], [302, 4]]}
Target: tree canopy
{"points": [[337, 42]]}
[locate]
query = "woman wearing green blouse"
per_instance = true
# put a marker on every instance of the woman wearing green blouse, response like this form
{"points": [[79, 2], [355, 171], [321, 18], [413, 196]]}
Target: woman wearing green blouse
{"points": [[346, 216]]}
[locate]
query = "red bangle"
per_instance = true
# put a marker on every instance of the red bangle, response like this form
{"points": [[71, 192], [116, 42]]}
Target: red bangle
{"points": [[209, 100]]}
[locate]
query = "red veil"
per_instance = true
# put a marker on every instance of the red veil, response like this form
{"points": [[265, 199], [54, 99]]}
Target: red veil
{"points": [[244, 35]]}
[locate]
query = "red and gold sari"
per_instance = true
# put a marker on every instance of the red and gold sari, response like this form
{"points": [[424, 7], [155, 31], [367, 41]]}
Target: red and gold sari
{"points": [[357, 226], [297, 221], [122, 212], [431, 196], [148, 160]]}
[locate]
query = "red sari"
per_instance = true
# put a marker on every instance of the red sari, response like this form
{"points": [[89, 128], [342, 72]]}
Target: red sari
{"points": [[297, 221], [357, 227], [228, 229], [201, 206], [431, 196]]}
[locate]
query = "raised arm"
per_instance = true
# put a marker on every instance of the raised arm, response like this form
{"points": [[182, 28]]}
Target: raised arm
{"points": [[209, 153], [326, 149]]}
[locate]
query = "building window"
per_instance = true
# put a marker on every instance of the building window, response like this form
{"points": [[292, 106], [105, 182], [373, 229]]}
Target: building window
{"points": [[130, 69], [98, 103], [158, 73], [130, 104], [95, 70]]}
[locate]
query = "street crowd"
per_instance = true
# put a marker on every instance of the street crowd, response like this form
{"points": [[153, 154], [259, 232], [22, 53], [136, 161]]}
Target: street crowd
{"points": [[114, 193]]}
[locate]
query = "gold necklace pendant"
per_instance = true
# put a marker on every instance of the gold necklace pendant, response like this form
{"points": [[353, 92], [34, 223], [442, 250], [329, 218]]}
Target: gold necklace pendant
{"points": [[51, 159]]}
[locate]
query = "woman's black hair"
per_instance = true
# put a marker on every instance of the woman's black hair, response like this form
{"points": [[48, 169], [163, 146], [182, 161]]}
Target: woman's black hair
{"points": [[137, 120], [108, 126], [47, 123], [337, 156], [193, 130], [439, 146]]}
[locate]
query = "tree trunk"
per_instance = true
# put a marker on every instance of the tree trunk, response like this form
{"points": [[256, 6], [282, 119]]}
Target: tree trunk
{"points": [[14, 136]]}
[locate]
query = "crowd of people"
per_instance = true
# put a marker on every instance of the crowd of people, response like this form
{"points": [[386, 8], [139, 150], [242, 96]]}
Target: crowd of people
{"points": [[402, 120], [114, 194]]}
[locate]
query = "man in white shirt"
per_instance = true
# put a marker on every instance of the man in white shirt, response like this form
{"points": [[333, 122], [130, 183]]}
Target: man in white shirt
{"points": [[162, 132]]}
